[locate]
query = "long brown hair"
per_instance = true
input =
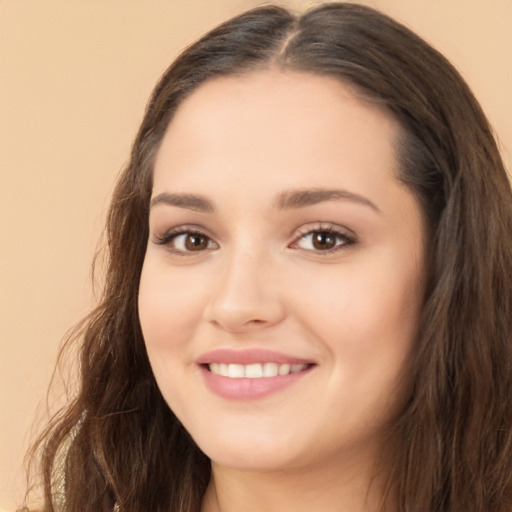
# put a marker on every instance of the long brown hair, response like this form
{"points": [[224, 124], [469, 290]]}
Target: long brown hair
{"points": [[119, 443]]}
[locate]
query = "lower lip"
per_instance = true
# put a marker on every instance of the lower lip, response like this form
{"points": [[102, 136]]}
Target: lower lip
{"points": [[249, 389]]}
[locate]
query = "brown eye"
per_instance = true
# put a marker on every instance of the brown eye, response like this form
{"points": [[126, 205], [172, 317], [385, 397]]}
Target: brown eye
{"points": [[195, 242], [188, 242], [323, 240]]}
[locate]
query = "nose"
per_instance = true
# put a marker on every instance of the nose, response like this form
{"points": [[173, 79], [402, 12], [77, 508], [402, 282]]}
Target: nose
{"points": [[246, 296]]}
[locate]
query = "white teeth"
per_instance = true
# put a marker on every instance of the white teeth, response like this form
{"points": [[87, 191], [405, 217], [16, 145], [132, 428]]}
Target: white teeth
{"points": [[236, 371], [284, 369], [223, 369], [270, 370], [255, 370]]}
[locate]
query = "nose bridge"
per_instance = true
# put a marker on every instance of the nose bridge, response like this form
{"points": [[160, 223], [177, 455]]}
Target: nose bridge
{"points": [[246, 293]]}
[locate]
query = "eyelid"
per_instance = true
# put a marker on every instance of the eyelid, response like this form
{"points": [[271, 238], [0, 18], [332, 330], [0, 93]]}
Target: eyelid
{"points": [[169, 235], [347, 235], [337, 230]]}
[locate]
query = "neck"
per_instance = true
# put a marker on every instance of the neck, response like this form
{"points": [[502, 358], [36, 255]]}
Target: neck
{"points": [[328, 489]]}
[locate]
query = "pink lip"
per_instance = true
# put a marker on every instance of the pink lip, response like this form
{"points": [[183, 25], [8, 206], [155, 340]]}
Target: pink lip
{"points": [[249, 356], [245, 388]]}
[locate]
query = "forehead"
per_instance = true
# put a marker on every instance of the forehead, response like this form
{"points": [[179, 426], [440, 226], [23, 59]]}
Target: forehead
{"points": [[277, 126]]}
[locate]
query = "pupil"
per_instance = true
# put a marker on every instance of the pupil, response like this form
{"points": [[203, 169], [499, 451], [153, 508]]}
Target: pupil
{"points": [[195, 242], [323, 240]]}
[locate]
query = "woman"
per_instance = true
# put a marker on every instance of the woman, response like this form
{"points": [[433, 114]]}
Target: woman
{"points": [[308, 296]]}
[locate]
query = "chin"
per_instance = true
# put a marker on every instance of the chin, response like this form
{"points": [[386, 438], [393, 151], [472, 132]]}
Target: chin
{"points": [[252, 453], [254, 462]]}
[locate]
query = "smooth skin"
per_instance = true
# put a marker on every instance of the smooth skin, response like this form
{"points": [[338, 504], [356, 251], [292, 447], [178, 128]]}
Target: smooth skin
{"points": [[278, 221]]}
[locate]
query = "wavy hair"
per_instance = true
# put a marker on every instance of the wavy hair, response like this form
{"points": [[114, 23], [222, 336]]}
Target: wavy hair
{"points": [[117, 444]]}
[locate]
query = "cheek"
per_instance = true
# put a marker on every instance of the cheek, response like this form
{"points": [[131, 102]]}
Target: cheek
{"points": [[169, 307], [366, 312]]}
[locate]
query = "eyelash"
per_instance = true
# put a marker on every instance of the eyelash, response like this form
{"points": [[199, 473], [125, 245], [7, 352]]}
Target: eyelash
{"points": [[346, 238], [170, 236]]}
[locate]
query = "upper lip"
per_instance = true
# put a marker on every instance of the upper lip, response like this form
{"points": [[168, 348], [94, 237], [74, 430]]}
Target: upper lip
{"points": [[249, 356]]}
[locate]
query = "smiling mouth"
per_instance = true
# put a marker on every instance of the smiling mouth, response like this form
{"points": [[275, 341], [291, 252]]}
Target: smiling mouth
{"points": [[255, 370]]}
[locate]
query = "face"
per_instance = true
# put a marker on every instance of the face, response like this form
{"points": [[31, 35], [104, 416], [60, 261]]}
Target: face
{"points": [[283, 278]]}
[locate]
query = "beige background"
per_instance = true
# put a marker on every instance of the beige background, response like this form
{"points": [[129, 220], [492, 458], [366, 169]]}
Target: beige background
{"points": [[74, 78]]}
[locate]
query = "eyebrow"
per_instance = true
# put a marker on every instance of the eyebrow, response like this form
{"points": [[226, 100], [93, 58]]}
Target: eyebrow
{"points": [[309, 197], [290, 199], [188, 201]]}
